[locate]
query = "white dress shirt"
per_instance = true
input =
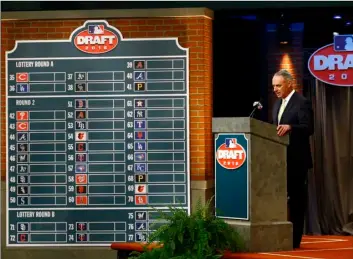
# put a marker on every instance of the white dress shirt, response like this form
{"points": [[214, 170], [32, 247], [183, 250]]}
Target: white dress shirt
{"points": [[284, 105]]}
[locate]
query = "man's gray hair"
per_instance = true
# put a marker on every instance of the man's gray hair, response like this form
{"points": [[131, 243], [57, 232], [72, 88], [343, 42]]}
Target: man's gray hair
{"points": [[286, 75]]}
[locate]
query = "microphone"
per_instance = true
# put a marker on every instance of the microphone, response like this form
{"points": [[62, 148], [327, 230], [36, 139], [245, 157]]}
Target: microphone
{"points": [[257, 106]]}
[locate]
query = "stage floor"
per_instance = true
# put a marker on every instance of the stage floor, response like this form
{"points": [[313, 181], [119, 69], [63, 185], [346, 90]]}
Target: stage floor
{"points": [[312, 247]]}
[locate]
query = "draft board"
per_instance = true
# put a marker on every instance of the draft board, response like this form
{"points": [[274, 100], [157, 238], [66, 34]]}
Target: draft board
{"points": [[97, 137]]}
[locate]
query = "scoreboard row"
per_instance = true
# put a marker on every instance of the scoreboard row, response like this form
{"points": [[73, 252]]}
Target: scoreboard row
{"points": [[96, 136], [32, 229]]}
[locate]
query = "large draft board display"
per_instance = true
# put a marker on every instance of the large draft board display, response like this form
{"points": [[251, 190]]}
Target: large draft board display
{"points": [[97, 137]]}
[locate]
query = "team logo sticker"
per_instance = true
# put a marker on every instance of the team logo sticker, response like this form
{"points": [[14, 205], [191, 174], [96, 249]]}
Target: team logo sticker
{"points": [[22, 77], [140, 188], [231, 155], [96, 39]]}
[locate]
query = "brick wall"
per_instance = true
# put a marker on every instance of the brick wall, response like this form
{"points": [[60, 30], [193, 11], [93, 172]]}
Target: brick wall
{"points": [[193, 33], [284, 57]]}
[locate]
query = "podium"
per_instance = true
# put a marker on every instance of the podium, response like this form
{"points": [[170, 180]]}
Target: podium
{"points": [[251, 182]]}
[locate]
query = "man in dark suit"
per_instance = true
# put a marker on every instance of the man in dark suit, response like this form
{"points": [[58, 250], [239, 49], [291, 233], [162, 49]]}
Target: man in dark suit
{"points": [[293, 114]]}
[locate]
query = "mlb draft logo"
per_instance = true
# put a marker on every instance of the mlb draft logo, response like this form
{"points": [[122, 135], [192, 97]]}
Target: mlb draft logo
{"points": [[333, 63], [231, 155], [96, 39]]}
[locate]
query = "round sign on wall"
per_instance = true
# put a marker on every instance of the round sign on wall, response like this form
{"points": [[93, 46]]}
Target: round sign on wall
{"points": [[333, 64]]}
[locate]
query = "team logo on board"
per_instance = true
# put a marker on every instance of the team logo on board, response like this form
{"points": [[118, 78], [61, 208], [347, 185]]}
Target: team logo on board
{"points": [[333, 63], [231, 155], [96, 39], [140, 188]]}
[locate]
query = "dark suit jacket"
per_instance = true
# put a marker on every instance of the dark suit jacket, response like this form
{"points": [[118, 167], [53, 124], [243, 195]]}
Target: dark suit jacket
{"points": [[299, 114]]}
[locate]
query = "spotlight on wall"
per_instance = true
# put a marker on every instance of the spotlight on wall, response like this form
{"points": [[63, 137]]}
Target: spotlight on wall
{"points": [[337, 17], [348, 23]]}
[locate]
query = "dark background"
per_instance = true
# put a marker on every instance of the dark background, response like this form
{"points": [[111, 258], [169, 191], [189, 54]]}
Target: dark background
{"points": [[214, 5], [240, 58], [240, 51]]}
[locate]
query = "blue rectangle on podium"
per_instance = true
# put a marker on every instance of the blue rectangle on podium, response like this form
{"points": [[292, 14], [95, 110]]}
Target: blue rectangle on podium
{"points": [[232, 176]]}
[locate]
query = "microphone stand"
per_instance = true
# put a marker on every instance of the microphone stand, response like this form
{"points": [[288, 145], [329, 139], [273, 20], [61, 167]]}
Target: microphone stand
{"points": [[253, 111], [257, 106]]}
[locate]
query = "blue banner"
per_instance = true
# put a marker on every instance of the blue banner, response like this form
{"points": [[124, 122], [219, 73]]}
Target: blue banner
{"points": [[232, 176]]}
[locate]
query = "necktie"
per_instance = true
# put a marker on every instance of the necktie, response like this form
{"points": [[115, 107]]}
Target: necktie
{"points": [[281, 109]]}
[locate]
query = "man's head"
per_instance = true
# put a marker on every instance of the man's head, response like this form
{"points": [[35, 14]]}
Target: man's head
{"points": [[282, 83]]}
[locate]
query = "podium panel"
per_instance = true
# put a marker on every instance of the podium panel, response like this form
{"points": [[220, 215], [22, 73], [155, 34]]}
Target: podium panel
{"points": [[232, 176]]}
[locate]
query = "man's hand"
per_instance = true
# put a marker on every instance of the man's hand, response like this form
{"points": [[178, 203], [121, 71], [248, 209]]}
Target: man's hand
{"points": [[283, 130]]}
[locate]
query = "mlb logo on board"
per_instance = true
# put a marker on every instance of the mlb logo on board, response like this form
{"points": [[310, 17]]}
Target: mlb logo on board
{"points": [[140, 135], [22, 77], [141, 215], [140, 124], [231, 142], [96, 29], [81, 179], [22, 136], [80, 136], [22, 227], [140, 168], [140, 103], [22, 115], [22, 169], [22, 88], [22, 126], [22, 158], [140, 188], [80, 103], [81, 158], [81, 189], [343, 42], [141, 237], [22, 179], [81, 169], [22, 238], [22, 147], [81, 226], [140, 178], [81, 237], [140, 199], [139, 114], [80, 147], [141, 226], [81, 200], [141, 146], [140, 156]]}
